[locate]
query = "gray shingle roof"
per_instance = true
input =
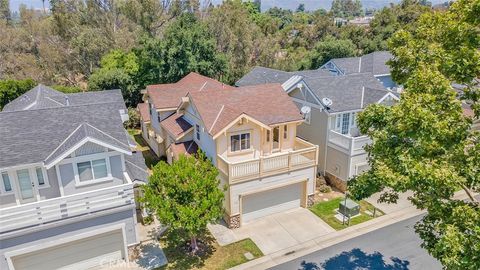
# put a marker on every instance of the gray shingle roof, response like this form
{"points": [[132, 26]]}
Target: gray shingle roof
{"points": [[30, 136], [375, 63], [136, 168], [346, 91], [262, 75], [38, 96]]}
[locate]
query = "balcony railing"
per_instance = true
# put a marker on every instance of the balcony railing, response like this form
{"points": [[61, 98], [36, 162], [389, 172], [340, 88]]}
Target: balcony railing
{"points": [[51, 210], [350, 145], [303, 155]]}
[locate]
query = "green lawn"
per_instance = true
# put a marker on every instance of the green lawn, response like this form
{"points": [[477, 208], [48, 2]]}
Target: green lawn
{"points": [[211, 257], [150, 158], [327, 210]]}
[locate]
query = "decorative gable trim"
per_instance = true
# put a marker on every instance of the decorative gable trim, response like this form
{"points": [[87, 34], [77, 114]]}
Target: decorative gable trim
{"points": [[388, 95], [243, 115]]}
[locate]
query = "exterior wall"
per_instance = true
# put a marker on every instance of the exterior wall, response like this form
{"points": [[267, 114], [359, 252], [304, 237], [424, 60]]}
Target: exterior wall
{"points": [[38, 238], [206, 142], [7, 200], [256, 185], [67, 175], [316, 132], [337, 163], [223, 141], [53, 191], [357, 163]]}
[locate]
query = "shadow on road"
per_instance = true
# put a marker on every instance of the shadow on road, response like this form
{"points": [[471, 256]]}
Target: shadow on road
{"points": [[357, 259]]}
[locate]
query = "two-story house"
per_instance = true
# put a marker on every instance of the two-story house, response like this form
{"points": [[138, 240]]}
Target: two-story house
{"points": [[374, 63], [67, 174], [249, 133], [330, 103]]}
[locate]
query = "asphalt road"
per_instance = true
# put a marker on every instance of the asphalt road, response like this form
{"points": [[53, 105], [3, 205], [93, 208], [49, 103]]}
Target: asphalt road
{"points": [[395, 247]]}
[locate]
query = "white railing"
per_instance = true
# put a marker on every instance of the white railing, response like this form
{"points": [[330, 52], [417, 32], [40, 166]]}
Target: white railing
{"points": [[351, 145], [51, 210], [303, 155]]}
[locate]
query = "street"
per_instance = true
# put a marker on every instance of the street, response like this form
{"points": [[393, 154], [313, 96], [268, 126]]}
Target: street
{"points": [[395, 247]]}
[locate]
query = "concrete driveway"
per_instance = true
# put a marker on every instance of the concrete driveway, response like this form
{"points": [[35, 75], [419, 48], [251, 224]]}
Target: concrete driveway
{"points": [[275, 232]]}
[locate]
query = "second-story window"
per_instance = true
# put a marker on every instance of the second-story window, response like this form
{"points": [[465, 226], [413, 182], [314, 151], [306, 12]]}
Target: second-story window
{"points": [[240, 142], [7, 185], [285, 132], [197, 131], [40, 177], [91, 170]]}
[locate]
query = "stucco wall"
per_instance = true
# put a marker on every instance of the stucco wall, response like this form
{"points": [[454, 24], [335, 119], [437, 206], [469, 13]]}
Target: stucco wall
{"points": [[63, 231], [268, 182]]}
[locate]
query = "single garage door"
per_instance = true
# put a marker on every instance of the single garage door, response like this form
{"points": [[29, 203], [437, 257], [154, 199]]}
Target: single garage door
{"points": [[87, 253], [272, 201]]}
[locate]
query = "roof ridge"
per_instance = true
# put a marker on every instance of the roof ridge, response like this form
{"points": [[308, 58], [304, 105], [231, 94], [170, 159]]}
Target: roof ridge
{"points": [[106, 134], [63, 107], [64, 140]]}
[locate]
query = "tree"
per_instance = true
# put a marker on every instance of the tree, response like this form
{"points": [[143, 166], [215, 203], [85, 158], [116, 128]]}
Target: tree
{"points": [[187, 46], [328, 49], [5, 10], [11, 89], [424, 143], [346, 8], [185, 195], [301, 7]]}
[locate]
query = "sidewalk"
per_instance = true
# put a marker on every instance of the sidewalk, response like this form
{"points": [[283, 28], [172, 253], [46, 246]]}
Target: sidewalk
{"points": [[322, 242]]}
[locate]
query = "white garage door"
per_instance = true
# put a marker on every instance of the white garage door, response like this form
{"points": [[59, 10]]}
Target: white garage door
{"points": [[272, 201], [87, 253]]}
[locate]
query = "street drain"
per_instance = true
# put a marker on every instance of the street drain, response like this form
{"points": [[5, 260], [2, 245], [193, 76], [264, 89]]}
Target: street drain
{"points": [[289, 253]]}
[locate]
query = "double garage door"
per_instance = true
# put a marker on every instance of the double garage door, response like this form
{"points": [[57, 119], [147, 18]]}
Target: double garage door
{"points": [[272, 201], [88, 253]]}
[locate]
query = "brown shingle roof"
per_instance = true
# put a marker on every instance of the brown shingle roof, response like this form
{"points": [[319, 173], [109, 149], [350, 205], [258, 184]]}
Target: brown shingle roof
{"points": [[169, 95], [175, 125], [267, 103], [144, 111], [185, 148]]}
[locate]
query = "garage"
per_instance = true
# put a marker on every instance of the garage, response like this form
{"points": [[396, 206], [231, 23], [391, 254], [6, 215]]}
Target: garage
{"points": [[272, 201], [86, 253]]}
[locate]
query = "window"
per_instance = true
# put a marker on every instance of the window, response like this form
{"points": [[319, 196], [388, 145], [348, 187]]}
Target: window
{"points": [[6, 182], [197, 131], [268, 136], [285, 132], [40, 178], [240, 142], [345, 123], [91, 170]]}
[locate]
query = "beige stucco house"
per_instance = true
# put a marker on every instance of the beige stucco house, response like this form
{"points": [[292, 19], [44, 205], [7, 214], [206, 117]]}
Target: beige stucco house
{"points": [[249, 133]]}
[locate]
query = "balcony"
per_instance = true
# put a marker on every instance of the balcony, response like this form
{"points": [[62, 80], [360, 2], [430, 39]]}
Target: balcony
{"points": [[303, 155], [51, 210], [349, 144]]}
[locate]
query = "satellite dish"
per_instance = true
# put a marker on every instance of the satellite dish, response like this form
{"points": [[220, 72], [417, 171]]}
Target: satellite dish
{"points": [[305, 110], [327, 102]]}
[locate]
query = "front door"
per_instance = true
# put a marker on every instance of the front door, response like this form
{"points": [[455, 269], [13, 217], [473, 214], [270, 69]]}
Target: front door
{"points": [[26, 187], [276, 139]]}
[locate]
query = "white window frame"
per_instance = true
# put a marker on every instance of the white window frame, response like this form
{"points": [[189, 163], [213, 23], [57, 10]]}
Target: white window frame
{"points": [[75, 161], [241, 151], [12, 184], [197, 132]]}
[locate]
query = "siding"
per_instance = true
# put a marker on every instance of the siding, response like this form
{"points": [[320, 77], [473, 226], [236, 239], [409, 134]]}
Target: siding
{"points": [[338, 159], [56, 233], [53, 191], [357, 161]]}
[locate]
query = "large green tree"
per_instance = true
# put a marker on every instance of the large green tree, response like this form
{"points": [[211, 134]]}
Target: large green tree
{"points": [[424, 143], [185, 195], [346, 8], [186, 46], [328, 49], [11, 89]]}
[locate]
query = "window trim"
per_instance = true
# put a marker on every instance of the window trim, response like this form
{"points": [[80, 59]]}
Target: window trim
{"points": [[91, 158], [3, 191], [240, 133]]}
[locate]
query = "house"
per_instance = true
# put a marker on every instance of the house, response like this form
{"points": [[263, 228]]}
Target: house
{"points": [[375, 63], [330, 104], [68, 170], [249, 133]]}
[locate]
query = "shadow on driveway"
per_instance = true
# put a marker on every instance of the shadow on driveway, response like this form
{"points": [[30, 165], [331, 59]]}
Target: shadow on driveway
{"points": [[357, 259]]}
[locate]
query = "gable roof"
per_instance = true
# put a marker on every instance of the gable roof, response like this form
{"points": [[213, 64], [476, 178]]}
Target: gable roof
{"points": [[176, 125], [32, 135], [39, 96], [262, 75], [375, 63], [267, 103], [348, 92], [165, 96]]}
